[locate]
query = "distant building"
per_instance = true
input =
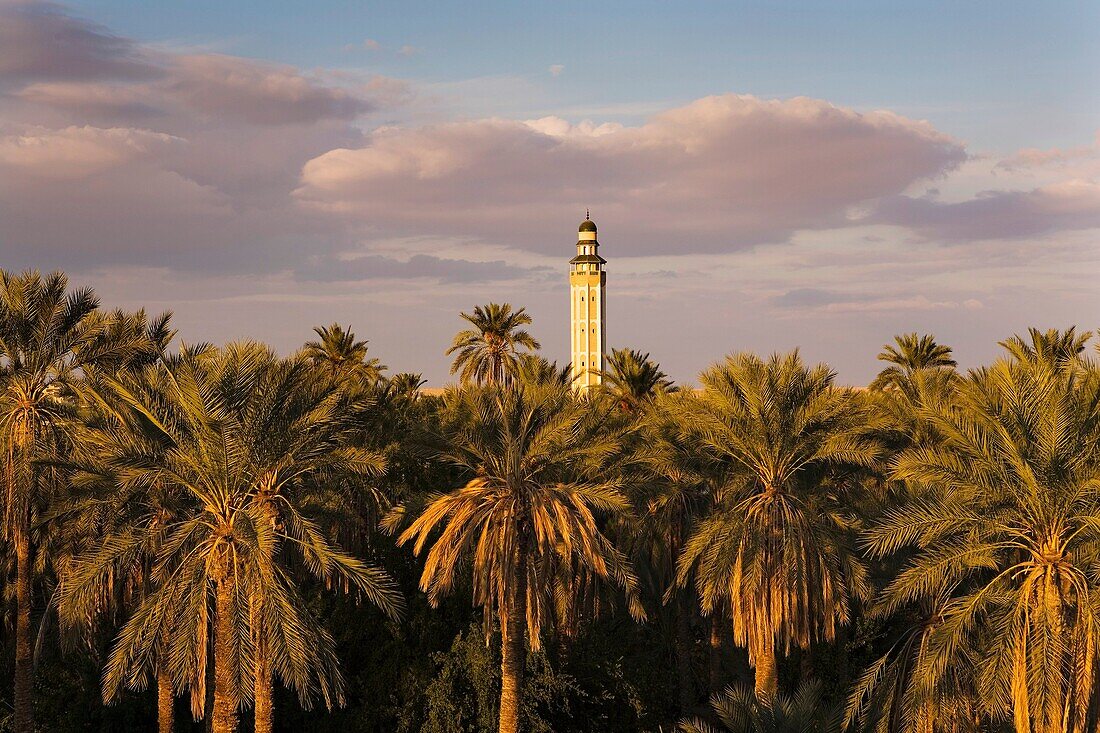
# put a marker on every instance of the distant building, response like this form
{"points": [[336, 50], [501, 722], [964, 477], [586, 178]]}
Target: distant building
{"points": [[586, 308]]}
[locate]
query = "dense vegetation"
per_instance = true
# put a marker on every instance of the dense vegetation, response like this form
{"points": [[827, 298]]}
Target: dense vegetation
{"points": [[202, 538]]}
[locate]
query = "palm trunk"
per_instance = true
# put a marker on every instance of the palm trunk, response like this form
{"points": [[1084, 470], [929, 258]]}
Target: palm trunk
{"points": [[263, 687], [225, 703], [767, 672], [806, 664], [24, 670], [684, 643], [715, 651], [165, 700], [261, 673], [567, 635], [264, 706], [208, 703], [841, 642], [513, 654]]}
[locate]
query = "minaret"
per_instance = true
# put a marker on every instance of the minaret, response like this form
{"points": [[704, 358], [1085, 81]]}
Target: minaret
{"points": [[586, 308]]}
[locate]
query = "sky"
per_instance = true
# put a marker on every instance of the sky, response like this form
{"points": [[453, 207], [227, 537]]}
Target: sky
{"points": [[765, 176]]}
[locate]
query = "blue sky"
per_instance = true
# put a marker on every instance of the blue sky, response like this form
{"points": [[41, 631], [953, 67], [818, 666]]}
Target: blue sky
{"points": [[765, 176]]}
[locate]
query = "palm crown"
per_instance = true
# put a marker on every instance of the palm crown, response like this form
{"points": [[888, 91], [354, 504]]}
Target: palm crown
{"points": [[776, 547], [633, 378], [529, 508], [1059, 349], [489, 352], [244, 438], [340, 353], [911, 355], [1008, 531]]}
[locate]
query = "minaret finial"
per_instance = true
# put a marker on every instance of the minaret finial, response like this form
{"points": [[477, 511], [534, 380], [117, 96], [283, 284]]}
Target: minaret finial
{"points": [[587, 215]]}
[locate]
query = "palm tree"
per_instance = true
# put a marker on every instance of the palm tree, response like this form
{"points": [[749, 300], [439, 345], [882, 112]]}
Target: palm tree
{"points": [[890, 698], [252, 443], [677, 488], [776, 548], [911, 355], [101, 505], [407, 384], [338, 353], [740, 711], [1058, 348], [528, 509], [489, 352], [1008, 530], [633, 379], [50, 339], [535, 369]]}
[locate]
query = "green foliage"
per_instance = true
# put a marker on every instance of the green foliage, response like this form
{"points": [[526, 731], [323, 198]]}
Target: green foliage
{"points": [[912, 355], [1004, 544], [739, 711], [928, 548], [777, 552], [633, 379], [464, 695], [489, 353]]}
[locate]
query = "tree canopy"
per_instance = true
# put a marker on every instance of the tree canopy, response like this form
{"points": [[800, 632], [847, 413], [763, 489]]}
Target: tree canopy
{"points": [[201, 537]]}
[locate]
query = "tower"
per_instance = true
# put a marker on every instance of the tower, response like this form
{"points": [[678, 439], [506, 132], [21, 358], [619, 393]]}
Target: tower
{"points": [[586, 308]]}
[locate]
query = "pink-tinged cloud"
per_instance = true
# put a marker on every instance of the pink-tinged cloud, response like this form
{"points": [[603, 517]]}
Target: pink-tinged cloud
{"points": [[38, 41], [53, 60], [256, 92], [220, 88], [113, 152], [1035, 158], [1068, 205], [721, 173], [76, 152], [122, 102]]}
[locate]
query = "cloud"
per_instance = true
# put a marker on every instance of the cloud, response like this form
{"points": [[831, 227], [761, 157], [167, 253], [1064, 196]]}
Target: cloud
{"points": [[408, 50], [1067, 205], [368, 44], [832, 301], [556, 69], [51, 59], [95, 100], [115, 153], [905, 305], [76, 152], [377, 267], [40, 42], [719, 174], [1031, 193], [259, 93], [1035, 158], [808, 298]]}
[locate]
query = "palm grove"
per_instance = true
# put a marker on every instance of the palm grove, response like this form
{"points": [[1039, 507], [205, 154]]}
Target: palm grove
{"points": [[204, 538]]}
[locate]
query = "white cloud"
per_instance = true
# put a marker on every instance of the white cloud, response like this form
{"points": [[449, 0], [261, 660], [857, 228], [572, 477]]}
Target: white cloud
{"points": [[721, 173], [77, 152]]}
